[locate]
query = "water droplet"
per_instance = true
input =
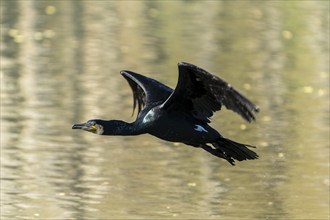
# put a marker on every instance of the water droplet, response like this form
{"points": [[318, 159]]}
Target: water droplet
{"points": [[308, 89], [19, 38], [264, 144], [191, 184], [287, 34], [242, 126], [49, 33], [321, 92], [247, 86], [13, 32], [266, 118], [50, 10]]}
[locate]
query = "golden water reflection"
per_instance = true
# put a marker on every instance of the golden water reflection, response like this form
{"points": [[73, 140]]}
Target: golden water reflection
{"points": [[60, 64]]}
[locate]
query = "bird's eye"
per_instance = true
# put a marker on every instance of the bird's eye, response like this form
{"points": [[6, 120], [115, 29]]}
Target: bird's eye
{"points": [[91, 123]]}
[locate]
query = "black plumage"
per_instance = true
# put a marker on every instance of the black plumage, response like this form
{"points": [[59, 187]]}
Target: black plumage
{"points": [[182, 115]]}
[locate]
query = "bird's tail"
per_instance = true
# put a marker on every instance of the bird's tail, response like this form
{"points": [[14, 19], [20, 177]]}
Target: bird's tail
{"points": [[231, 150]]}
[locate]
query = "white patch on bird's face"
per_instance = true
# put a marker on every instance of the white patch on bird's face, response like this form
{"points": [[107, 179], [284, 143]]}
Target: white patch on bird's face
{"points": [[148, 116], [200, 128], [99, 129]]}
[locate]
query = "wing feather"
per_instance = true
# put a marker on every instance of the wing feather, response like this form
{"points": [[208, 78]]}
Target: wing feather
{"points": [[201, 93], [146, 91]]}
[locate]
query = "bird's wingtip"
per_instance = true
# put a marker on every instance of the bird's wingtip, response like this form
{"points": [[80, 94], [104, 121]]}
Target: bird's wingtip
{"points": [[182, 63], [256, 109], [129, 73], [186, 65], [123, 72]]}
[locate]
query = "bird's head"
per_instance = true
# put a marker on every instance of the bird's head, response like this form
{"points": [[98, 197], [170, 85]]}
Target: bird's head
{"points": [[95, 126], [105, 127]]}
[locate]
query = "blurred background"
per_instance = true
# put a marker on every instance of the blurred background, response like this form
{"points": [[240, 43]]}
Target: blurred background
{"points": [[60, 63]]}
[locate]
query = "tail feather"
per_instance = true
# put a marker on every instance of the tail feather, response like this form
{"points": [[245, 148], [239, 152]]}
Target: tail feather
{"points": [[233, 150]]}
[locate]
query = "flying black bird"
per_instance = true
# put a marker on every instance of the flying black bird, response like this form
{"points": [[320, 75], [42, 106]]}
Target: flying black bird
{"points": [[182, 115]]}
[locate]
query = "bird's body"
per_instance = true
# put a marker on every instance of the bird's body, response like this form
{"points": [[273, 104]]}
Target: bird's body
{"points": [[182, 115], [176, 127]]}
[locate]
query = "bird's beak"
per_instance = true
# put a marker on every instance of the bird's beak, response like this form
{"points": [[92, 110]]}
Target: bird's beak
{"points": [[79, 126]]}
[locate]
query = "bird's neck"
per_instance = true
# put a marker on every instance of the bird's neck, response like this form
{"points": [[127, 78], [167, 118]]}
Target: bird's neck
{"points": [[117, 127]]}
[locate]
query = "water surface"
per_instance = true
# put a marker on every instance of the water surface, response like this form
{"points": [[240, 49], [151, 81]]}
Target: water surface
{"points": [[60, 63]]}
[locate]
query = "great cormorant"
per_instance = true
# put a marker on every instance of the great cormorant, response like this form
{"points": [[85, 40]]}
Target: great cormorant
{"points": [[183, 114]]}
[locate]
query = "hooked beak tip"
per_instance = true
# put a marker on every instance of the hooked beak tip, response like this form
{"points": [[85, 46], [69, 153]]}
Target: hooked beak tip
{"points": [[77, 126]]}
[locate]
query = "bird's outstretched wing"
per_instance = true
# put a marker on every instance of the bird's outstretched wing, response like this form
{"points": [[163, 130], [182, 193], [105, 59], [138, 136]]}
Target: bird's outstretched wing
{"points": [[201, 94], [145, 90]]}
